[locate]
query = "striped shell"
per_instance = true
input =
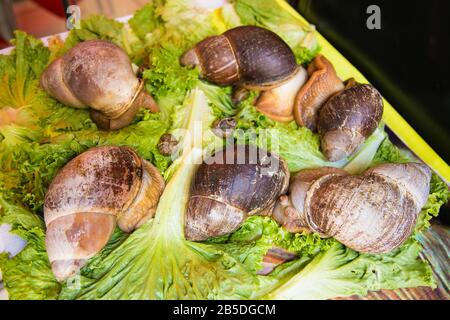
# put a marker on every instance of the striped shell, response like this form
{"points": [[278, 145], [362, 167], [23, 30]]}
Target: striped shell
{"points": [[235, 183], [95, 191], [250, 56], [375, 212], [98, 74]]}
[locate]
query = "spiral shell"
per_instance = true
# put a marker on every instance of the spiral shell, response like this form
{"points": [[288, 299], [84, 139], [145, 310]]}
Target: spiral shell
{"points": [[235, 183], [250, 56], [348, 118], [98, 74], [100, 188]]}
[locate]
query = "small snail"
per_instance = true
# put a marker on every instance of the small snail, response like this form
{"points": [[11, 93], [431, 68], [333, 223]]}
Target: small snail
{"points": [[233, 184], [98, 74], [374, 212], [250, 56], [100, 188], [348, 118], [278, 103]]}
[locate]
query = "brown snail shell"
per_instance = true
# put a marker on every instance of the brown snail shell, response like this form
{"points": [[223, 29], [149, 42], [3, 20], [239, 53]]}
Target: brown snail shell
{"points": [[374, 212], [235, 183], [289, 209], [348, 118], [323, 82], [100, 188], [98, 74], [278, 103], [250, 56]]}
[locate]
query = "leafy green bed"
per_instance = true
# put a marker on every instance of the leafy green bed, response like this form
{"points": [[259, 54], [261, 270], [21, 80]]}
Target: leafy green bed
{"points": [[38, 136]]}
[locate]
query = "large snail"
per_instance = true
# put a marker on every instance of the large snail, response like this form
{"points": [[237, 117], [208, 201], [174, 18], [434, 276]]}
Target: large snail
{"points": [[100, 188], [248, 56], [235, 183], [98, 74], [374, 212]]}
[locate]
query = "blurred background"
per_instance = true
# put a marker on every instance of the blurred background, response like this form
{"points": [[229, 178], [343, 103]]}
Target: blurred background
{"points": [[45, 17]]}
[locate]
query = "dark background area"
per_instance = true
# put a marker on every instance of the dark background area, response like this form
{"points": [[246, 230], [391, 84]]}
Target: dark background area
{"points": [[408, 59]]}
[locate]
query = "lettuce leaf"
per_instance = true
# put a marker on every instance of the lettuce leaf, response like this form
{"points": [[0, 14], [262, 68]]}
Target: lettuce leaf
{"points": [[340, 272], [27, 276], [21, 102]]}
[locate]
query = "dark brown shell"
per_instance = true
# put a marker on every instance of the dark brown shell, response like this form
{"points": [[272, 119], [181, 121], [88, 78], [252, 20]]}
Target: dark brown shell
{"points": [[234, 183], [100, 188], [369, 213], [251, 56], [347, 119]]}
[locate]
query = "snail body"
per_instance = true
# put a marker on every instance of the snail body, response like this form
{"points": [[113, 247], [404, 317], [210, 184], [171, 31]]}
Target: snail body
{"points": [[374, 212], [101, 188], [235, 183], [253, 57], [98, 74], [322, 83]]}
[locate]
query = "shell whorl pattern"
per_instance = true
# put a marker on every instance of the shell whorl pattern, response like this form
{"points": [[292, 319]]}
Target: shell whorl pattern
{"points": [[348, 118], [249, 56], [100, 188], [231, 186], [374, 212], [289, 210], [98, 74]]}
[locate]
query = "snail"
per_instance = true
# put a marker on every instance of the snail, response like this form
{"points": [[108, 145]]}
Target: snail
{"points": [[234, 183], [375, 212], [100, 188], [251, 57], [348, 118], [322, 83], [98, 74], [344, 114]]}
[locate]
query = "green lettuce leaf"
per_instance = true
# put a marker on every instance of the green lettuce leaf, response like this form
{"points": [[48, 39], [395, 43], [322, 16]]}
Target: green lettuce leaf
{"points": [[21, 101], [340, 272], [28, 275]]}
